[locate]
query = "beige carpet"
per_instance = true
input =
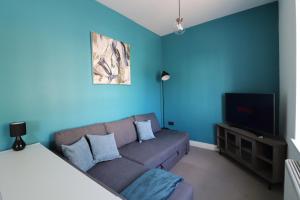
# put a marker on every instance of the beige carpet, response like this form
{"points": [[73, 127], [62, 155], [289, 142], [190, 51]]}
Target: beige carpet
{"points": [[215, 177]]}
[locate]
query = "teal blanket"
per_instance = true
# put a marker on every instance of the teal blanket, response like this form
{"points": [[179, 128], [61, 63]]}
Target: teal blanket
{"points": [[156, 184]]}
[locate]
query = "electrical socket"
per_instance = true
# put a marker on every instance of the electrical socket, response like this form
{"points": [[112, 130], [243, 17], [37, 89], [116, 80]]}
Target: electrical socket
{"points": [[171, 123]]}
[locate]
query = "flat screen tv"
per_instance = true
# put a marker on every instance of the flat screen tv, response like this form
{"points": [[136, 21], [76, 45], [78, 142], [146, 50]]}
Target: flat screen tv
{"points": [[254, 112]]}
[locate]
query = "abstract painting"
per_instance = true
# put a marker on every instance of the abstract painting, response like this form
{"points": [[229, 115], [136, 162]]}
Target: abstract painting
{"points": [[111, 60]]}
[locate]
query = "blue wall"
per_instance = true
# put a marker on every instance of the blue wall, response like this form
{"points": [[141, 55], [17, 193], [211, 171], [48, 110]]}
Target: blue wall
{"points": [[45, 67], [237, 53]]}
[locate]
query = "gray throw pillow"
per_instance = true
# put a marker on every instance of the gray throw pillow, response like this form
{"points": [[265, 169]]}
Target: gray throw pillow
{"points": [[79, 154], [104, 147], [144, 130]]}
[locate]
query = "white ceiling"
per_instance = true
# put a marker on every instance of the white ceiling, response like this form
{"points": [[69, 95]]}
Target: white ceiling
{"points": [[159, 15]]}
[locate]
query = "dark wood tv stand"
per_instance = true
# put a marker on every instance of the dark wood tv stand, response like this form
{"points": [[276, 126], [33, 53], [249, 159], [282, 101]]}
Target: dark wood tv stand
{"points": [[264, 156]]}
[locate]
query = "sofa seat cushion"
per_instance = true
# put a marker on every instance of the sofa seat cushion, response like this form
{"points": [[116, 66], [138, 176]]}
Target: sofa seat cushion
{"points": [[152, 153], [117, 174], [124, 131]]}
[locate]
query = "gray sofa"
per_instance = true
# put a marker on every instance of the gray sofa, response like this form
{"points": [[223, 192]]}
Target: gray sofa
{"points": [[163, 152]]}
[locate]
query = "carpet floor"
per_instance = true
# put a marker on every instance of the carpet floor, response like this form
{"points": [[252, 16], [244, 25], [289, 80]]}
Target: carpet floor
{"points": [[215, 177]]}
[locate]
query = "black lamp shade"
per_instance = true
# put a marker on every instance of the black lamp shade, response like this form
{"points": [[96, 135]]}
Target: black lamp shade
{"points": [[17, 129], [165, 76]]}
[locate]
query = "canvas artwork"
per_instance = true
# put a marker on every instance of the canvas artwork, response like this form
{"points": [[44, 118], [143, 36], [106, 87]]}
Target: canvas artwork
{"points": [[111, 61]]}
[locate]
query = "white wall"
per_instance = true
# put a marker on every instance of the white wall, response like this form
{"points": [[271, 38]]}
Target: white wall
{"points": [[287, 67], [288, 83]]}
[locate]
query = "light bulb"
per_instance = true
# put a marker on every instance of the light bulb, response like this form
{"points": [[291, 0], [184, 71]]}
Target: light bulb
{"points": [[179, 30], [179, 27]]}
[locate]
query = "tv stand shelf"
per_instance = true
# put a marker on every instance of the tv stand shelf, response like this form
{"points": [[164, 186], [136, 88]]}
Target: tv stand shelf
{"points": [[264, 156]]}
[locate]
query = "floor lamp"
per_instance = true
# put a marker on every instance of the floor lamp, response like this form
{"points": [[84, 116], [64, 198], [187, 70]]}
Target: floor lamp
{"points": [[164, 77]]}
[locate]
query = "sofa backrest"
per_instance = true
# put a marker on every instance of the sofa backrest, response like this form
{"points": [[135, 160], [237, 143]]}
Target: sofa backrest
{"points": [[70, 136], [150, 116], [124, 131]]}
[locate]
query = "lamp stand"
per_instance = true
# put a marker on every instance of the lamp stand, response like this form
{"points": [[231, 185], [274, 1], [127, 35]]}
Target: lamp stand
{"points": [[19, 144], [163, 104]]}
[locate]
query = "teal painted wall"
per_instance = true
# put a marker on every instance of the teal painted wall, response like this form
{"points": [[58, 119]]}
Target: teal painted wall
{"points": [[237, 53], [45, 67]]}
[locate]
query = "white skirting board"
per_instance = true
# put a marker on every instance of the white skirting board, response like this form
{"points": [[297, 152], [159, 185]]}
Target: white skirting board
{"points": [[203, 145]]}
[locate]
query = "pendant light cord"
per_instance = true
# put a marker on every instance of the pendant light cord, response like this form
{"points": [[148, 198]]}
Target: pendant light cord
{"points": [[179, 10]]}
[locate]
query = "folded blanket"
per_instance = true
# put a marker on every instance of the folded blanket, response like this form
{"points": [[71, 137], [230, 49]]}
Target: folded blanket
{"points": [[156, 184]]}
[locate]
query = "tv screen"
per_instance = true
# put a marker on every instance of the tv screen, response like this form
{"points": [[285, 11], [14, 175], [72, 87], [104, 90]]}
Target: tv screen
{"points": [[255, 112]]}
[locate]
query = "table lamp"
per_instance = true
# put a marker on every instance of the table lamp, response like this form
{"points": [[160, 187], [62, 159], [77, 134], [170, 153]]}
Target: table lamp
{"points": [[17, 129]]}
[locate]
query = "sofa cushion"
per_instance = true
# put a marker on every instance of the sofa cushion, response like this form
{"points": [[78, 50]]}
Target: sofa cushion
{"points": [[79, 154], [124, 131], [152, 153], [144, 130], [70, 136], [103, 147], [150, 116], [117, 174]]}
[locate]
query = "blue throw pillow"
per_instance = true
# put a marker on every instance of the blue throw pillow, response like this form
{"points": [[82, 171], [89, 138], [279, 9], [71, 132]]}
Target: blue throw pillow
{"points": [[79, 154], [104, 147], [144, 130]]}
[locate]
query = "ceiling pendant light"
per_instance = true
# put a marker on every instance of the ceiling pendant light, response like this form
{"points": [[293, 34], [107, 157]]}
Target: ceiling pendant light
{"points": [[179, 29]]}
